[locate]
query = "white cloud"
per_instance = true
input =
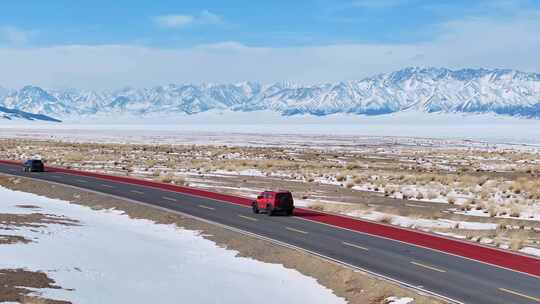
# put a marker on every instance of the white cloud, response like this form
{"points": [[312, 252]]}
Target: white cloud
{"points": [[181, 21], [174, 21], [13, 35], [225, 46], [207, 17], [472, 42]]}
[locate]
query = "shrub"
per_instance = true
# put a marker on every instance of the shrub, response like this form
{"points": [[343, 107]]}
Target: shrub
{"points": [[443, 192], [179, 180], [534, 193], [492, 210], [517, 241], [166, 178], [432, 195], [352, 166], [485, 194], [316, 206], [389, 190], [341, 177], [515, 210], [386, 219], [358, 180], [482, 180]]}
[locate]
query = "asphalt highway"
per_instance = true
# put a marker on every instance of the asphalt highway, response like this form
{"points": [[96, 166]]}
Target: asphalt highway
{"points": [[456, 278]]}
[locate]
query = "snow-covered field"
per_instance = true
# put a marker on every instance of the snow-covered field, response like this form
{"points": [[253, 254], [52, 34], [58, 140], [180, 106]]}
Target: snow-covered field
{"points": [[110, 258], [252, 128]]}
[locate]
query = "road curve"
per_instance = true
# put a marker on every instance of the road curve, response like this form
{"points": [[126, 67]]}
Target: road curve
{"points": [[451, 276]]}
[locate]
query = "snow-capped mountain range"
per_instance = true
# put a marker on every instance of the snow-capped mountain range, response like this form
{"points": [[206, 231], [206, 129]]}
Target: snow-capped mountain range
{"points": [[12, 114], [429, 90]]}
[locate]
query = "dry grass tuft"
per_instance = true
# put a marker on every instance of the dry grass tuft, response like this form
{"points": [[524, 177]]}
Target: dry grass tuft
{"points": [[180, 181], [166, 178], [341, 177], [466, 206], [493, 210], [517, 240], [32, 300], [386, 219], [432, 194], [316, 206], [358, 180], [515, 210]]}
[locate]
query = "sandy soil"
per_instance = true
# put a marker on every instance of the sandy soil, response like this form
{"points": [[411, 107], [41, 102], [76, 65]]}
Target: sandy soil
{"points": [[356, 287]]}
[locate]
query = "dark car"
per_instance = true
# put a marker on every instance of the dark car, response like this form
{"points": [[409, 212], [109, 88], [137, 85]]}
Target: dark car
{"points": [[272, 202], [33, 165]]}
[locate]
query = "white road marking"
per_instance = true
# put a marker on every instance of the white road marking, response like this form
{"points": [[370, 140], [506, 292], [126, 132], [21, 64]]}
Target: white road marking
{"points": [[296, 230], [206, 207], [355, 246], [138, 192], [248, 218], [81, 181], [520, 294], [107, 186], [428, 267], [169, 198]]}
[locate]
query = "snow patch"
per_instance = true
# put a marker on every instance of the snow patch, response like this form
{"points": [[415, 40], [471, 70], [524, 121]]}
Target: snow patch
{"points": [[396, 300], [531, 251], [112, 258]]}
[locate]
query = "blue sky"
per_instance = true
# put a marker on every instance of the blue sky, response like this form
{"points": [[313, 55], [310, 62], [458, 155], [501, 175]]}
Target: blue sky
{"points": [[253, 23], [304, 41]]}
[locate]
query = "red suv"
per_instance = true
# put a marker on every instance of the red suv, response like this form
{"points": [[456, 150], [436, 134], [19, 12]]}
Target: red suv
{"points": [[272, 202]]}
